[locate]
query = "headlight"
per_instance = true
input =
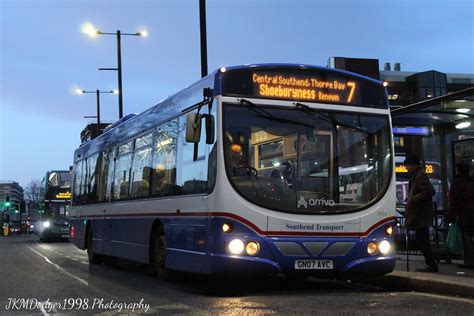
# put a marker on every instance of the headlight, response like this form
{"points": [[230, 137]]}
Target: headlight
{"points": [[46, 224], [236, 247], [389, 230], [371, 248], [384, 247], [252, 248]]}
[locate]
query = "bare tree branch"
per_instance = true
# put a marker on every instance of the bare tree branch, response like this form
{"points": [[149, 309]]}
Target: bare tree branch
{"points": [[34, 193]]}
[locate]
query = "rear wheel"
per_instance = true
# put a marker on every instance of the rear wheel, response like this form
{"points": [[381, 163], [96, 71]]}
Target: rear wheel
{"points": [[93, 257], [158, 257]]}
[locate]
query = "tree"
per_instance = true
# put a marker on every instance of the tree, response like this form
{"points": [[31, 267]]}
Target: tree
{"points": [[34, 194]]}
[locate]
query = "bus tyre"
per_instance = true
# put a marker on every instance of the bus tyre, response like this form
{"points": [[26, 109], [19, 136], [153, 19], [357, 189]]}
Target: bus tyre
{"points": [[159, 255], [93, 257]]}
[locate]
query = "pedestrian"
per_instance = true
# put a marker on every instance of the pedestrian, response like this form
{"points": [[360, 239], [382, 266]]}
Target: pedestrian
{"points": [[419, 210], [461, 207]]}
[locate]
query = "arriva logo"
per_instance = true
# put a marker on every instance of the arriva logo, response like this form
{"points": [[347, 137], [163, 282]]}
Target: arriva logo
{"points": [[302, 202], [314, 202]]}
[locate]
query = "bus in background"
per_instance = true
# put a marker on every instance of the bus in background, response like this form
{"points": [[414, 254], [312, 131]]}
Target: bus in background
{"points": [[271, 168], [54, 222]]}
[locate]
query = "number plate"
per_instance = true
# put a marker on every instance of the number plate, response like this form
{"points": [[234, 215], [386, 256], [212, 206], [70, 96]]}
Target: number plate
{"points": [[64, 236], [313, 264]]}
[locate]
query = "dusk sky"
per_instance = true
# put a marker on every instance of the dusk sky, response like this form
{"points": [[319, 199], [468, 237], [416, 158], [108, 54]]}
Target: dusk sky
{"points": [[44, 56]]}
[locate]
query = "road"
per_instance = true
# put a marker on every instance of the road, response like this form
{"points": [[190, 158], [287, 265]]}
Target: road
{"points": [[59, 272]]}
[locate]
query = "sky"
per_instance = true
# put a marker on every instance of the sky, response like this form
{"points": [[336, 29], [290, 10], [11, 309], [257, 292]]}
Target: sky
{"points": [[44, 56]]}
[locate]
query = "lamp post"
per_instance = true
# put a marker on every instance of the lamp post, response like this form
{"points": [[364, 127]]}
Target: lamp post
{"points": [[202, 20], [92, 32], [97, 93]]}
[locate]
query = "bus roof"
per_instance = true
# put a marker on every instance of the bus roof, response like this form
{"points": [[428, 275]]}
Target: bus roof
{"points": [[300, 66]]}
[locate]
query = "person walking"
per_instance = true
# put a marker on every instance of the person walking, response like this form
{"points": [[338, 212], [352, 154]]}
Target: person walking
{"points": [[461, 206], [419, 210]]}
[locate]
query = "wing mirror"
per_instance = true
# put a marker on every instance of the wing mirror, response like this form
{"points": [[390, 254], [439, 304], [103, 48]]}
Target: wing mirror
{"points": [[193, 127]]}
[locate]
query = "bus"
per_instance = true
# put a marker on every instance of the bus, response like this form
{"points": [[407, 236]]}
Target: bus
{"points": [[265, 168], [54, 212]]}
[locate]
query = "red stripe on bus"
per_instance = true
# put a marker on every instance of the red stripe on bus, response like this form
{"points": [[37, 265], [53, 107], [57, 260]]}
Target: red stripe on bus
{"points": [[252, 225]]}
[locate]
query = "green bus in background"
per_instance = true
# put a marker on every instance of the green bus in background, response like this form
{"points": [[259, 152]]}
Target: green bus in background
{"points": [[54, 223]]}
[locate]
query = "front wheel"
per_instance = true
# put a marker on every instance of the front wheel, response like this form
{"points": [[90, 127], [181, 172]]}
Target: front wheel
{"points": [[158, 258]]}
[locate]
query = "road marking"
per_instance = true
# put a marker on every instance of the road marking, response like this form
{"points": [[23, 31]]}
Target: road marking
{"points": [[59, 268], [451, 298]]}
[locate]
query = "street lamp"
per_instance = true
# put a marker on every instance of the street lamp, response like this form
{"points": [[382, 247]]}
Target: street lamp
{"points": [[90, 30], [97, 92]]}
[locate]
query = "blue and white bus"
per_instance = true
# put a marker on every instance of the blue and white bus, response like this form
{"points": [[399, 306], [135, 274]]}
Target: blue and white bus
{"points": [[272, 168]]}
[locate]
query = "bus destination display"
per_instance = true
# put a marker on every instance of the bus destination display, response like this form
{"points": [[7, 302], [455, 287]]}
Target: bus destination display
{"points": [[304, 88], [311, 85], [429, 168]]}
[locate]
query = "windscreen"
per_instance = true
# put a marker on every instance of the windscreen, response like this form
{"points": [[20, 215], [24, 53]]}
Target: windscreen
{"points": [[302, 160]]}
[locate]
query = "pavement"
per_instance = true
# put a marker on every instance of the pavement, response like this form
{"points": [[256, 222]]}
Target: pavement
{"points": [[449, 280]]}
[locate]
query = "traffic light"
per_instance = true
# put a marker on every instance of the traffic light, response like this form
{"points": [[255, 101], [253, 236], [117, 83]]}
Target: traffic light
{"points": [[7, 201]]}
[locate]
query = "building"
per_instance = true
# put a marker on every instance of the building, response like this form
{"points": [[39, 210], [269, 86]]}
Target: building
{"points": [[14, 191], [432, 116], [406, 87]]}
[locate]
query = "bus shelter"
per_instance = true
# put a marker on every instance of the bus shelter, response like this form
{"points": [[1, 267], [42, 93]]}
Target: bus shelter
{"points": [[440, 131]]}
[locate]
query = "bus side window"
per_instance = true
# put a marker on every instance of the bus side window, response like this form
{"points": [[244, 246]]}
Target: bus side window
{"points": [[163, 171], [122, 171], [140, 175], [104, 160], [83, 191], [191, 175], [91, 181], [77, 182], [110, 174]]}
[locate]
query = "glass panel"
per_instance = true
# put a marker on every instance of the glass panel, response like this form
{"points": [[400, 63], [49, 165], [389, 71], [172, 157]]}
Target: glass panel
{"points": [[141, 172], [125, 148], [110, 174], [65, 179], [83, 193], [53, 180], [429, 92], [192, 175], [104, 163], [144, 140], [301, 161], [271, 154], [77, 182], [164, 160], [122, 176], [92, 171]]}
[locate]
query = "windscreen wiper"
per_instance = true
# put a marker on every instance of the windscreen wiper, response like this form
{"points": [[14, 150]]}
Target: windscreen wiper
{"points": [[333, 121], [264, 114], [304, 107]]}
